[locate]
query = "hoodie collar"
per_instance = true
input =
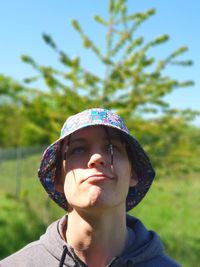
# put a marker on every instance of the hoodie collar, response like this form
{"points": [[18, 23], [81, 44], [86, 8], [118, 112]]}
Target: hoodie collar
{"points": [[54, 243], [143, 244]]}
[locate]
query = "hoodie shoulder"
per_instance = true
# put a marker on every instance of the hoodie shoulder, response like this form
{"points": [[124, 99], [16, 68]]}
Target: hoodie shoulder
{"points": [[146, 249], [159, 261], [35, 254], [32, 255]]}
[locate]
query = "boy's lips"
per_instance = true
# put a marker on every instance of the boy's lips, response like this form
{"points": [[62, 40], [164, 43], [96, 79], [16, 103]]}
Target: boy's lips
{"points": [[98, 177]]}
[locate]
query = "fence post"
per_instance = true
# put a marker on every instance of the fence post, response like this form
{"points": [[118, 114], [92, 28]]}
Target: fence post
{"points": [[18, 172]]}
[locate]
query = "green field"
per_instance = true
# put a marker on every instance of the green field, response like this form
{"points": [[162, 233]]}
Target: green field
{"points": [[172, 208]]}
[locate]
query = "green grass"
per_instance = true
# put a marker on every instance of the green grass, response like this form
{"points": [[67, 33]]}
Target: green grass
{"points": [[171, 208], [25, 176], [19, 225]]}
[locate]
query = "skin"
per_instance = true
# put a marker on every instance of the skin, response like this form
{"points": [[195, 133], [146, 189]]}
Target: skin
{"points": [[96, 192]]}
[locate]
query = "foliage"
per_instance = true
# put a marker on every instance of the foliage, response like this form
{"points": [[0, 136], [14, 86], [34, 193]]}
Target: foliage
{"points": [[11, 118], [133, 82], [172, 144], [19, 225], [22, 114]]}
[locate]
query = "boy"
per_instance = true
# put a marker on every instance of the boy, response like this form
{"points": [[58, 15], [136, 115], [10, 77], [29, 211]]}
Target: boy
{"points": [[96, 171]]}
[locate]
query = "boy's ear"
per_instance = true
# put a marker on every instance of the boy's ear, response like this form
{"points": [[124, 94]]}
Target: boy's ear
{"points": [[133, 179]]}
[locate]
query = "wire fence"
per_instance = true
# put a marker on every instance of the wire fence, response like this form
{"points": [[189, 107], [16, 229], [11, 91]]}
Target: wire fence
{"points": [[17, 164], [20, 152]]}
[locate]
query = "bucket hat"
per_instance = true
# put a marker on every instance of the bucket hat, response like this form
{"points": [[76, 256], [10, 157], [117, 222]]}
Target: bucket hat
{"points": [[92, 117]]}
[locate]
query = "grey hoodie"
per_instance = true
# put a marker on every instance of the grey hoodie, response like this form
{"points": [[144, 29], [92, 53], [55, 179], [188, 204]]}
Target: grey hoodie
{"points": [[144, 250]]}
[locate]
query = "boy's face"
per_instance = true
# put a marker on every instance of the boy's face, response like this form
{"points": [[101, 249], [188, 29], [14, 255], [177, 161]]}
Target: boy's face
{"points": [[90, 180]]}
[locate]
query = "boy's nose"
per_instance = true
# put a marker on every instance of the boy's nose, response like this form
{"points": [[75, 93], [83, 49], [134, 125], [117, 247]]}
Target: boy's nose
{"points": [[96, 160]]}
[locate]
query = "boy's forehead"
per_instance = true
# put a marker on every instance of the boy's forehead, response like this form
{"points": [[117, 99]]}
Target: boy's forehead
{"points": [[99, 131], [84, 134]]}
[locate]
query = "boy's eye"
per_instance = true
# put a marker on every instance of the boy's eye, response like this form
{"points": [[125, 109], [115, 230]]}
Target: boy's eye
{"points": [[77, 150]]}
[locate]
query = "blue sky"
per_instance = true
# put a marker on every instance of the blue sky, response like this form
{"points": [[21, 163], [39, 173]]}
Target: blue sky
{"points": [[22, 23]]}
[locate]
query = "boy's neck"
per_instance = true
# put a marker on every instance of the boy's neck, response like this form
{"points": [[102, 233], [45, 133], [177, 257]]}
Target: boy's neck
{"points": [[96, 240]]}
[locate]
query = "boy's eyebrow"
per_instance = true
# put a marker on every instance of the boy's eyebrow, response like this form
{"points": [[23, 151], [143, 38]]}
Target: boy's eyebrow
{"points": [[81, 139], [77, 140]]}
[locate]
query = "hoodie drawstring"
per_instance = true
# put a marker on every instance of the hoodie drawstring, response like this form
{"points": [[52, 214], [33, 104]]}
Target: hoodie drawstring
{"points": [[63, 256]]}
